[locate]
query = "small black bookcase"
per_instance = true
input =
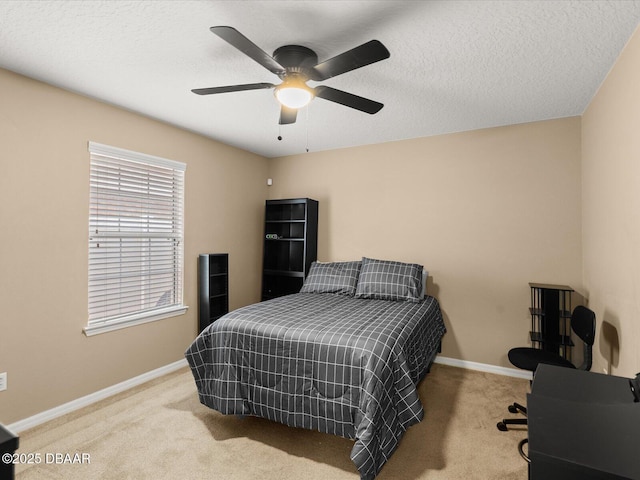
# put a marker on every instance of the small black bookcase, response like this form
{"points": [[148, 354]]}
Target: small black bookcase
{"points": [[213, 288], [290, 245]]}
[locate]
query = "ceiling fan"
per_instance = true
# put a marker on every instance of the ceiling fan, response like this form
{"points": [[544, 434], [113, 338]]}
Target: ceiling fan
{"points": [[296, 65]]}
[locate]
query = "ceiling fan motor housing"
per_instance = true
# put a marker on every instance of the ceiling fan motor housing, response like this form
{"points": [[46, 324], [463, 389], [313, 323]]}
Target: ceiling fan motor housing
{"points": [[295, 58]]}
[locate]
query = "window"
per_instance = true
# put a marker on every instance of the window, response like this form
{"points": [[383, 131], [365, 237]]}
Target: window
{"points": [[136, 240]]}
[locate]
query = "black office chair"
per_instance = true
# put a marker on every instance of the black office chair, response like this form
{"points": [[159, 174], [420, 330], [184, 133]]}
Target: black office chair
{"points": [[583, 323]]}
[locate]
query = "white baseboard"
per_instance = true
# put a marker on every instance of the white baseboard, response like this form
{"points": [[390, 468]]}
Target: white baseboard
{"points": [[484, 367], [87, 400]]}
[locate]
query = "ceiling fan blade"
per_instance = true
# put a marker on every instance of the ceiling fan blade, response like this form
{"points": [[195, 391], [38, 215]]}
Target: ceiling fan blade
{"points": [[365, 54], [232, 88], [348, 99], [287, 115], [246, 46]]}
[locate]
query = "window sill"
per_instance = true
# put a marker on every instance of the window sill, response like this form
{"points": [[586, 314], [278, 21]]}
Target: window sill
{"points": [[133, 320]]}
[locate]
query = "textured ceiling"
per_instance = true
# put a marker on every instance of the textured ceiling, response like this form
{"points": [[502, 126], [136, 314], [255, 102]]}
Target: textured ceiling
{"points": [[454, 65]]}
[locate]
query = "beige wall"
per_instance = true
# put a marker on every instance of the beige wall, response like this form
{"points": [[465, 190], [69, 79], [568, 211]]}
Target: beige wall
{"points": [[485, 212], [611, 213], [44, 194]]}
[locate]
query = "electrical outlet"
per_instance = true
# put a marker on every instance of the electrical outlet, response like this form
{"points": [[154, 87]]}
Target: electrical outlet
{"points": [[3, 381]]}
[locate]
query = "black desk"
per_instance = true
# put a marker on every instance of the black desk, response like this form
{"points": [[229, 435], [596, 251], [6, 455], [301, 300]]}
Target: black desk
{"points": [[582, 425], [8, 445]]}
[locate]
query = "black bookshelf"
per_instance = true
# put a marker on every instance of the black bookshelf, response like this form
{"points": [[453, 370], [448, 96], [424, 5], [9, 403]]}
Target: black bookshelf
{"points": [[213, 288], [290, 245]]}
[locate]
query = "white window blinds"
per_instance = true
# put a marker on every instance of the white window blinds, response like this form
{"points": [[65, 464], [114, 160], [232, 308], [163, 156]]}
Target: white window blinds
{"points": [[135, 238]]}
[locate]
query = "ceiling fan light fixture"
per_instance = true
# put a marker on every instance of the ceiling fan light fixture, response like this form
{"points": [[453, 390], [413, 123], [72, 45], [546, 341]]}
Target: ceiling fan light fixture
{"points": [[294, 93]]}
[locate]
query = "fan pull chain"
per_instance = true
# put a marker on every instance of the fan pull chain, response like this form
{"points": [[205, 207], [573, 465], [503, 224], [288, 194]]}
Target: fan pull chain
{"points": [[307, 141]]}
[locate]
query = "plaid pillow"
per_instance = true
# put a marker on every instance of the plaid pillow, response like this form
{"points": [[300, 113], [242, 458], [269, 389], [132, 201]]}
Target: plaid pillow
{"points": [[389, 280], [333, 277]]}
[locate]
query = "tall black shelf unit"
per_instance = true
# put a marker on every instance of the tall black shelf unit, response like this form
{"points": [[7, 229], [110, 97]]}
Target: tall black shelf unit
{"points": [[290, 245], [213, 288], [551, 318]]}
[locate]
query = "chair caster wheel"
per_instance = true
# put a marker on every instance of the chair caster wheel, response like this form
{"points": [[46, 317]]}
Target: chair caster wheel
{"points": [[502, 427], [513, 409]]}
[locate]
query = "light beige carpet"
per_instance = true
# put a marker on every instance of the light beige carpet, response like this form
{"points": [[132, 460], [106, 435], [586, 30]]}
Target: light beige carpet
{"points": [[160, 431]]}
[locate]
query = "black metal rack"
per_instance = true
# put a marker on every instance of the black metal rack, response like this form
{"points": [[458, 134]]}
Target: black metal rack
{"points": [[551, 318]]}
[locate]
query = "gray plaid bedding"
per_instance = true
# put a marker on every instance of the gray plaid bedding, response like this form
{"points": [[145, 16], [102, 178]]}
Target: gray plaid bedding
{"points": [[326, 362]]}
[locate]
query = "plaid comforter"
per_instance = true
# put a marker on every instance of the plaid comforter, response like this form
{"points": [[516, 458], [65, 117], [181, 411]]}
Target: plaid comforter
{"points": [[326, 362]]}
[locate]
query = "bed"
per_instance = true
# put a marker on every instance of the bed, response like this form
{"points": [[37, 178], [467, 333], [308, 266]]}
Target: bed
{"points": [[344, 356]]}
